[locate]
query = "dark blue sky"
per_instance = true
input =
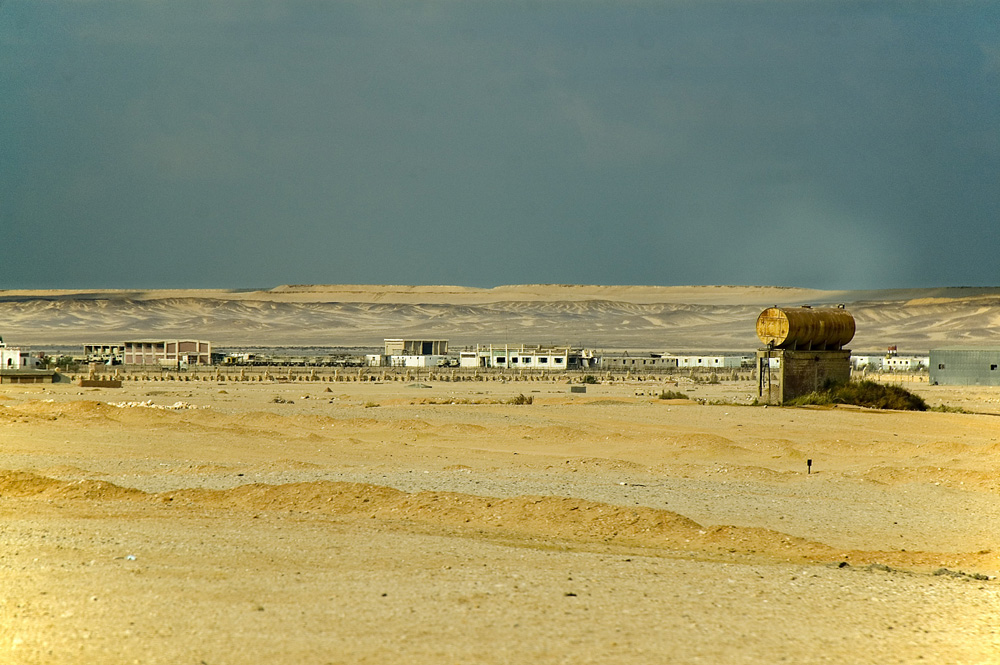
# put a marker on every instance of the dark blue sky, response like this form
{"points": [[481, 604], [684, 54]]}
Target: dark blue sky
{"points": [[206, 143]]}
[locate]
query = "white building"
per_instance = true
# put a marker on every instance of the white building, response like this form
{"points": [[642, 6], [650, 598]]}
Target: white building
{"points": [[714, 362], [866, 362], [904, 363], [640, 362], [527, 357], [890, 363], [411, 353], [417, 361], [14, 357]]}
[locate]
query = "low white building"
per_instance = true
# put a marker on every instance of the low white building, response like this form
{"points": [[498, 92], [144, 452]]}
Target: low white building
{"points": [[905, 363], [866, 362], [527, 357], [889, 363], [410, 353], [640, 362], [15, 357], [418, 361], [713, 362]]}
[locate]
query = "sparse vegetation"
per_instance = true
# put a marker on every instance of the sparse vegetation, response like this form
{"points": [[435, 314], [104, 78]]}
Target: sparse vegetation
{"points": [[944, 408], [867, 394], [519, 399], [673, 394], [589, 378], [371, 405], [64, 363]]}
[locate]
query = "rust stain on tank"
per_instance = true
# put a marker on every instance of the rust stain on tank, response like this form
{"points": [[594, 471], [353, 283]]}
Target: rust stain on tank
{"points": [[821, 328]]}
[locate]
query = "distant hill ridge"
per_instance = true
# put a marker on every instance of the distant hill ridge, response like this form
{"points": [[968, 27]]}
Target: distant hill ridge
{"points": [[665, 318]]}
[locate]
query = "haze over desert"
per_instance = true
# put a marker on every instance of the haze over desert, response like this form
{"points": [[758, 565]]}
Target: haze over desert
{"points": [[374, 517], [661, 318]]}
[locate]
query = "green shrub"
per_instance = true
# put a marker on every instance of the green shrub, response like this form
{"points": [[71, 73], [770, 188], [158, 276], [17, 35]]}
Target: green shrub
{"points": [[521, 399], [589, 378], [867, 394], [673, 394]]}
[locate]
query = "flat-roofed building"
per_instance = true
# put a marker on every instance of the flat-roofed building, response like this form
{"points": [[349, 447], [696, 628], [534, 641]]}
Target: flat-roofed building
{"points": [[966, 366], [411, 353], [167, 352], [416, 347], [16, 357], [714, 362], [873, 362], [108, 354], [522, 356], [17, 365], [896, 363], [639, 362]]}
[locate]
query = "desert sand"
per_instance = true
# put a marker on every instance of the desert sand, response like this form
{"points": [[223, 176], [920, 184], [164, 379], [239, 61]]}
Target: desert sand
{"points": [[205, 522]]}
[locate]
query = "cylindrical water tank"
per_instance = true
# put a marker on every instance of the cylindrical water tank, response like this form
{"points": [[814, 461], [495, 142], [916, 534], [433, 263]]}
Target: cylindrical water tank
{"points": [[805, 327]]}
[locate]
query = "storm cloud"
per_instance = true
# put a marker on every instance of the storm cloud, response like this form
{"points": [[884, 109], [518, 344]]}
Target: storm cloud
{"points": [[247, 144]]}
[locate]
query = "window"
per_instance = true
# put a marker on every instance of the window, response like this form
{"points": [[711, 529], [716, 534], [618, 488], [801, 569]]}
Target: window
{"points": [[543, 360], [559, 361], [514, 360], [501, 359]]}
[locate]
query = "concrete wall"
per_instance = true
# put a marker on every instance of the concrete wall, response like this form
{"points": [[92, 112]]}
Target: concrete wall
{"points": [[800, 373]]}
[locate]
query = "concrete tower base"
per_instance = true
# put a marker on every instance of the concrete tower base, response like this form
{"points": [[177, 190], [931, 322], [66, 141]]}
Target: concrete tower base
{"points": [[799, 372]]}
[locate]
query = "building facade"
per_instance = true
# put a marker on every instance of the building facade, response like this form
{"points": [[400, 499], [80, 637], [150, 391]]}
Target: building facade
{"points": [[416, 347], [15, 357], [552, 358], [162, 353], [638, 362], [167, 352], [411, 353], [715, 362], [965, 366]]}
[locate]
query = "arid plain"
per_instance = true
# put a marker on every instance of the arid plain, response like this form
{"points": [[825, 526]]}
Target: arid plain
{"points": [[432, 521]]}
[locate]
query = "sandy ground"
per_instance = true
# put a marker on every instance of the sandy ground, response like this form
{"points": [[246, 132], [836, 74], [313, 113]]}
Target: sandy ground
{"points": [[387, 523]]}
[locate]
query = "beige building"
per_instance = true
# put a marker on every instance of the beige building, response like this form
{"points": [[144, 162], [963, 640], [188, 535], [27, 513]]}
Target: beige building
{"points": [[416, 347], [152, 352]]}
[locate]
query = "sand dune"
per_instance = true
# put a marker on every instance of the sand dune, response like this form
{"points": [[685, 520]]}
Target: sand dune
{"points": [[527, 518], [602, 317]]}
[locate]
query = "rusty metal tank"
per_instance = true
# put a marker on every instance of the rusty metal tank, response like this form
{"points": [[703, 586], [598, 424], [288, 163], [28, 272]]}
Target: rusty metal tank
{"points": [[820, 328]]}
